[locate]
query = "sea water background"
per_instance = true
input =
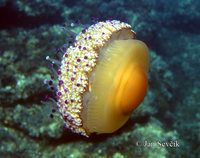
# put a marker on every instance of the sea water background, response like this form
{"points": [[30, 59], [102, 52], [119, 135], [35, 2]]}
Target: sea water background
{"points": [[30, 30]]}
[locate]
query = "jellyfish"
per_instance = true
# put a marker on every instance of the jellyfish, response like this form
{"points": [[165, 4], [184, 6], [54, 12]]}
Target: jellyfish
{"points": [[102, 78]]}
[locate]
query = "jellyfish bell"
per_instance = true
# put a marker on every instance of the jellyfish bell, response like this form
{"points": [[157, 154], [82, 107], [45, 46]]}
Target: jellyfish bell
{"points": [[103, 78], [118, 86]]}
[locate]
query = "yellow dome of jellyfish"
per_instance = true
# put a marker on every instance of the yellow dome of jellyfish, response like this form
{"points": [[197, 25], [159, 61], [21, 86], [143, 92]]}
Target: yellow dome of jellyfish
{"points": [[102, 78]]}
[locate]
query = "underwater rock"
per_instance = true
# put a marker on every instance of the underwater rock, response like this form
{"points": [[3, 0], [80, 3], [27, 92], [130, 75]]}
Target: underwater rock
{"points": [[21, 78]]}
